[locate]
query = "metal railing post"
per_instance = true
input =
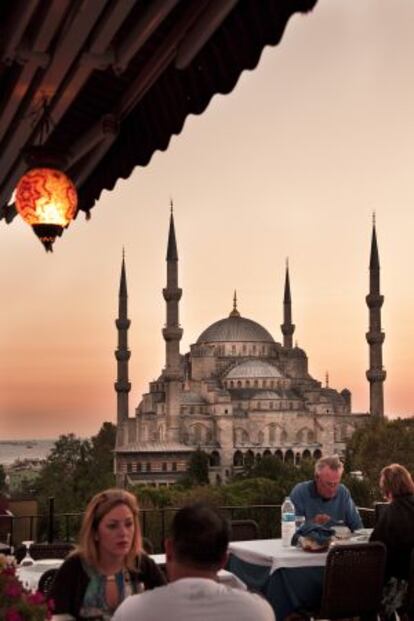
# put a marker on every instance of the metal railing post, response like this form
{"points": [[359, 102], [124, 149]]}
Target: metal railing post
{"points": [[50, 520]]}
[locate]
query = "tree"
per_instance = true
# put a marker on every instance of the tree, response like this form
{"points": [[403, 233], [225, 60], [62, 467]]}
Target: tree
{"points": [[378, 444], [197, 471], [76, 469], [2, 478]]}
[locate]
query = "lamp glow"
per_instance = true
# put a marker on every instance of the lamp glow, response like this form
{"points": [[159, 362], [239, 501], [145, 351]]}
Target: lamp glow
{"points": [[47, 200]]}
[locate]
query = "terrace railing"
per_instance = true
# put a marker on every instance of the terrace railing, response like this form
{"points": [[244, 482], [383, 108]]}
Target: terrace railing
{"points": [[64, 527]]}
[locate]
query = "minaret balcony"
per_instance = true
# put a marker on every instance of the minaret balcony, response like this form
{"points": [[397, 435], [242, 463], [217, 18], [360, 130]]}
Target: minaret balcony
{"points": [[122, 355], [374, 300], [122, 324], [376, 375], [121, 386], [172, 295], [375, 338], [287, 329], [172, 333]]}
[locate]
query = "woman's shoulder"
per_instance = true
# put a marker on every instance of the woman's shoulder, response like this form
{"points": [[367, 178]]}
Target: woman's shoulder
{"points": [[73, 562]]}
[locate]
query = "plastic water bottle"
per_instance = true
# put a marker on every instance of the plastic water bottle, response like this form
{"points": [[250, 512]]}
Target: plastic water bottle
{"points": [[288, 521]]}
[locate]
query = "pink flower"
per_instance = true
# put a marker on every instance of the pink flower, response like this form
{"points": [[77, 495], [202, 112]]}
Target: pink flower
{"points": [[36, 598], [13, 615], [13, 589]]}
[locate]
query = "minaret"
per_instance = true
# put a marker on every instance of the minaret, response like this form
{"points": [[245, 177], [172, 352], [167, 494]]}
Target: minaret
{"points": [[287, 326], [375, 337], [172, 334], [122, 354]]}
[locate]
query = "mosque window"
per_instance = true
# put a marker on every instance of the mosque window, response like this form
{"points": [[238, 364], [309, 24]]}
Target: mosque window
{"points": [[254, 349], [244, 349], [231, 384], [272, 433], [139, 466], [258, 405], [256, 383], [264, 383], [270, 405], [239, 384], [129, 467], [149, 466], [247, 383], [164, 466], [233, 349], [174, 466]]}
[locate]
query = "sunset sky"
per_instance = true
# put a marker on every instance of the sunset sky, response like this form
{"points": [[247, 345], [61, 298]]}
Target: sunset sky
{"points": [[291, 164]]}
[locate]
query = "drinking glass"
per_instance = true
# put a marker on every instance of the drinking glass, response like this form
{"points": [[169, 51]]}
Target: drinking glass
{"points": [[27, 560]]}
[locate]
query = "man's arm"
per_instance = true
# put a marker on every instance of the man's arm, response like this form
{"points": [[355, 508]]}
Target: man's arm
{"points": [[352, 517], [297, 497]]}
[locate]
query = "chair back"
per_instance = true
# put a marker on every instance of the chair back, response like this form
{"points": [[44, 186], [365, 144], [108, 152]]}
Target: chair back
{"points": [[244, 530], [39, 551], [46, 581], [409, 600], [353, 582]]}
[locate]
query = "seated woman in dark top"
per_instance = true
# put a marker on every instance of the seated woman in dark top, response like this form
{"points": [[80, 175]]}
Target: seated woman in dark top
{"points": [[108, 565], [395, 528]]}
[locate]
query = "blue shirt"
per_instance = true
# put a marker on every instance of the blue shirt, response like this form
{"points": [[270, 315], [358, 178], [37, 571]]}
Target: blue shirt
{"points": [[340, 508]]}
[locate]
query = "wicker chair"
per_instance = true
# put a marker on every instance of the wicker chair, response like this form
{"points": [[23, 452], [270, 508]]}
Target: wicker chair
{"points": [[407, 612], [354, 577], [39, 551], [244, 530], [46, 581]]}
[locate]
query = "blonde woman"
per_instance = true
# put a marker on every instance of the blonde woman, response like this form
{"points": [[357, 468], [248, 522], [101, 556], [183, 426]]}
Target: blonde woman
{"points": [[108, 564]]}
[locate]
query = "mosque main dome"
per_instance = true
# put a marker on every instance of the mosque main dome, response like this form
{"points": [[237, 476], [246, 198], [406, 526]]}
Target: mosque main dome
{"points": [[235, 329]]}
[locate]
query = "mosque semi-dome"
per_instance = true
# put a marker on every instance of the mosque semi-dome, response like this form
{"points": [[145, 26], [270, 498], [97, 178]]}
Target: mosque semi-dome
{"points": [[253, 369], [235, 329]]}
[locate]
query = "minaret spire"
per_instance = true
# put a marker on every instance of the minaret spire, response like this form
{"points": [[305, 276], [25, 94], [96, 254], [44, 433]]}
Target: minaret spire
{"points": [[172, 334], [287, 326], [376, 374], [234, 312], [122, 354]]}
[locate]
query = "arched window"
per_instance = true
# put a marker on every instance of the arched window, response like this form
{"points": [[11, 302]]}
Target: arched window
{"points": [[215, 459], [272, 434], [238, 458], [289, 457]]}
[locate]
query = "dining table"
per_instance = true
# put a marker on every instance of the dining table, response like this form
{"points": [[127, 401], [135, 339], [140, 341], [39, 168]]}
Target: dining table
{"points": [[290, 578]]}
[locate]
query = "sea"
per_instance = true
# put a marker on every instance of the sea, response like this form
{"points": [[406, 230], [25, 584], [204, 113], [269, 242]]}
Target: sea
{"points": [[24, 449]]}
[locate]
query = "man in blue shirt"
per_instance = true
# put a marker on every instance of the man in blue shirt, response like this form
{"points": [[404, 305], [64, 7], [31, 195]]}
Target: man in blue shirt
{"points": [[325, 498]]}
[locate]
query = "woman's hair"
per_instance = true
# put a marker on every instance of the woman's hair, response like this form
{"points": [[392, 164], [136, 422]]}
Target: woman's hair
{"points": [[396, 480], [98, 507]]}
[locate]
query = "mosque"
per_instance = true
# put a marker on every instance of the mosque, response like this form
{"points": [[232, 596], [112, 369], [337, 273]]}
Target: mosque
{"points": [[238, 394]]}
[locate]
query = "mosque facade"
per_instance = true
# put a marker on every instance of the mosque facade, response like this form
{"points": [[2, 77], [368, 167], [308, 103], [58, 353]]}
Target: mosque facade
{"points": [[238, 394]]}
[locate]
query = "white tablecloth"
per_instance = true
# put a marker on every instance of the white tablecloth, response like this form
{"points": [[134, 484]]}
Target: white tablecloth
{"points": [[29, 575], [271, 553]]}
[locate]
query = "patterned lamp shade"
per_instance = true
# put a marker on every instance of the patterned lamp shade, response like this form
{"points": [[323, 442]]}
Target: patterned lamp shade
{"points": [[47, 200]]}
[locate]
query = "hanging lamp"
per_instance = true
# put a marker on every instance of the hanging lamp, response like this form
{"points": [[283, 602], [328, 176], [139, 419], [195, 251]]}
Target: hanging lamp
{"points": [[46, 198]]}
